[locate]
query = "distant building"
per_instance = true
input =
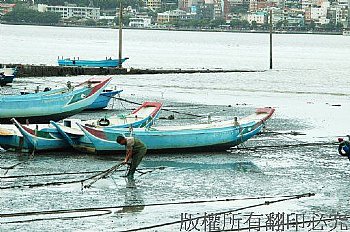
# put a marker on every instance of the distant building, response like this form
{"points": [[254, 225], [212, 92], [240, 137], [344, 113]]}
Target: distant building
{"points": [[170, 16], [72, 10], [154, 4], [140, 21], [259, 17], [256, 5], [6, 8], [319, 14]]}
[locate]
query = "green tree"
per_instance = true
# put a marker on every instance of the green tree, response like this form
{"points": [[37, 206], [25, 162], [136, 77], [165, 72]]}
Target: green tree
{"points": [[22, 14]]}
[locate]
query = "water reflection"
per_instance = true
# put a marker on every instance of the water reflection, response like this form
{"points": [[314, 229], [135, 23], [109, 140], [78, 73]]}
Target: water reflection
{"points": [[133, 200]]}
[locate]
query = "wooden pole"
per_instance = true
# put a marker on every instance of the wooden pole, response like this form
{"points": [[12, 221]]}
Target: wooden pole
{"points": [[120, 34], [270, 39]]}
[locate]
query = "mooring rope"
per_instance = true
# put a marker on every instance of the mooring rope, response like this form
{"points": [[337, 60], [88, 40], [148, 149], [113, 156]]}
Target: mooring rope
{"points": [[285, 146], [219, 213], [100, 175], [93, 178], [101, 213], [164, 109], [11, 167], [140, 170], [91, 209]]}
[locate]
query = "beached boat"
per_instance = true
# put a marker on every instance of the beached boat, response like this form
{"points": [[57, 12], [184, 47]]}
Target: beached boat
{"points": [[54, 136], [91, 63], [52, 105], [7, 75], [212, 136], [102, 101], [144, 116]]}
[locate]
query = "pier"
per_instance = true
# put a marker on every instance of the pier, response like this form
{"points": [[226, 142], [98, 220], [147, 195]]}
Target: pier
{"points": [[26, 70]]}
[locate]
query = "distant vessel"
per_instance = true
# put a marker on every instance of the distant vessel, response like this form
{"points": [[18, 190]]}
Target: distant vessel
{"points": [[92, 63], [100, 63], [7, 75]]}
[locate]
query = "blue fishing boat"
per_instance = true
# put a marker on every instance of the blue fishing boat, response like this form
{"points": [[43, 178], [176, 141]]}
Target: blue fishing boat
{"points": [[92, 63], [212, 136], [7, 75], [102, 101], [53, 105], [144, 116], [65, 135], [36, 139]]}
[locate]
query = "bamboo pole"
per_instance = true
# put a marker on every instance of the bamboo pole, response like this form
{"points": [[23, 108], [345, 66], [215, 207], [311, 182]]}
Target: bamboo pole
{"points": [[270, 39], [120, 34]]}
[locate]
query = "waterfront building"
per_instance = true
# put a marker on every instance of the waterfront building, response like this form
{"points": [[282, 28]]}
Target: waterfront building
{"points": [[140, 21], [170, 16], [256, 5], [319, 14], [259, 17], [72, 10]]}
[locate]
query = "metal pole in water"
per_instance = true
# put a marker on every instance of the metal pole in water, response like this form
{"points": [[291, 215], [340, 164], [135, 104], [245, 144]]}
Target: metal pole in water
{"points": [[120, 33], [270, 39]]}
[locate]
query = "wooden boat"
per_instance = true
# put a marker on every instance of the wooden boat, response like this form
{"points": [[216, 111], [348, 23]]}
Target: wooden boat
{"points": [[52, 105], [7, 75], [44, 137], [212, 136], [35, 139], [92, 63], [144, 116], [103, 99]]}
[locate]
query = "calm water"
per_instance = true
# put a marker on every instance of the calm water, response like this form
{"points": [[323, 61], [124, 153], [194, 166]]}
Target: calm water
{"points": [[310, 76]]}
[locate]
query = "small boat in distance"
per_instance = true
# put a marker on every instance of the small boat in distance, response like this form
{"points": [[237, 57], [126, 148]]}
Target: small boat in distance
{"points": [[91, 63], [7, 75]]}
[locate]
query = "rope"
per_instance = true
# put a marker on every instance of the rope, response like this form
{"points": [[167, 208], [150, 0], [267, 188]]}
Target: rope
{"points": [[10, 167], [62, 211], [102, 212], [285, 146], [224, 212], [100, 175], [164, 109], [74, 173], [94, 178]]}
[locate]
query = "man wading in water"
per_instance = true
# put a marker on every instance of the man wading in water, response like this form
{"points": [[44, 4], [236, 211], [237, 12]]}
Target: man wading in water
{"points": [[135, 150]]}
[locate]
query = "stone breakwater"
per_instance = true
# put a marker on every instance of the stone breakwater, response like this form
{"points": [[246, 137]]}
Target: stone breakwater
{"points": [[25, 70]]}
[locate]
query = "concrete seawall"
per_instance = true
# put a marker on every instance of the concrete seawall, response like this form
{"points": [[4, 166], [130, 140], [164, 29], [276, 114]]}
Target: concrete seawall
{"points": [[25, 70]]}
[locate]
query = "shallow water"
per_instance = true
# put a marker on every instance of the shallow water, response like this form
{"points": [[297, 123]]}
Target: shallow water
{"points": [[309, 80]]}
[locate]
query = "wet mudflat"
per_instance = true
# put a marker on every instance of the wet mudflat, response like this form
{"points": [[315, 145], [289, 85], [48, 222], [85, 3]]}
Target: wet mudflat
{"points": [[239, 173]]}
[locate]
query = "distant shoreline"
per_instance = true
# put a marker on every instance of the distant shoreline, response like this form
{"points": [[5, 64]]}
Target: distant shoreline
{"points": [[181, 29]]}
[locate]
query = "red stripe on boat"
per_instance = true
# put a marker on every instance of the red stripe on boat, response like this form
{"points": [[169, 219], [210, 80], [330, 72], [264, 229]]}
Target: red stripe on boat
{"points": [[96, 133], [30, 131], [267, 110], [98, 86], [157, 106]]}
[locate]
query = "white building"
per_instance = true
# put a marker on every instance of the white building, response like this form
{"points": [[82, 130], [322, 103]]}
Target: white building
{"points": [[319, 14], [72, 11], [258, 17], [140, 22]]}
